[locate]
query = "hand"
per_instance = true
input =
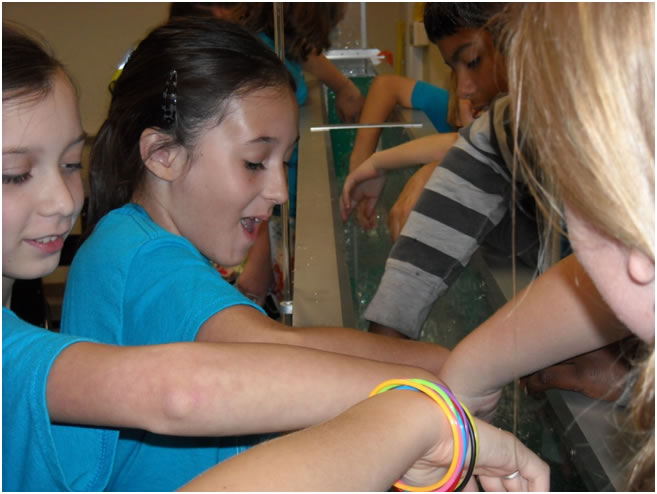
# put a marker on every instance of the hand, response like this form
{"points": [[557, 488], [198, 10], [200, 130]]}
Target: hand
{"points": [[349, 102], [500, 454], [599, 375], [366, 214], [407, 199], [364, 184], [357, 157]]}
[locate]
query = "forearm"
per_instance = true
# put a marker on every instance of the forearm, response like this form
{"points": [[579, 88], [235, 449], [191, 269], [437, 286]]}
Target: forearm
{"points": [[324, 70], [367, 448], [421, 177], [348, 98], [244, 325], [558, 316], [208, 389], [362, 344], [384, 94], [424, 150]]}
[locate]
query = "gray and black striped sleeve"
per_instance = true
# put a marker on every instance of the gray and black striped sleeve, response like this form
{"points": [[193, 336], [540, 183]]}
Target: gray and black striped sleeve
{"points": [[465, 198]]}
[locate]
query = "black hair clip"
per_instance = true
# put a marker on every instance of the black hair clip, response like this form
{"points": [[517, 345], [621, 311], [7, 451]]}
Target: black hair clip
{"points": [[170, 97]]}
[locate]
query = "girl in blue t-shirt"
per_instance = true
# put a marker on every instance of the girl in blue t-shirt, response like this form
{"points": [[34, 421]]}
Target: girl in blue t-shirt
{"points": [[307, 29], [52, 381], [184, 171]]}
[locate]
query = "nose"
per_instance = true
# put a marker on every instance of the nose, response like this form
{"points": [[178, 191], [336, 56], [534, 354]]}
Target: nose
{"points": [[276, 189], [63, 195], [465, 85]]}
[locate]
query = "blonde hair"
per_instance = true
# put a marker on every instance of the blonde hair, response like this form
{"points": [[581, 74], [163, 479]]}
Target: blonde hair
{"points": [[582, 81]]}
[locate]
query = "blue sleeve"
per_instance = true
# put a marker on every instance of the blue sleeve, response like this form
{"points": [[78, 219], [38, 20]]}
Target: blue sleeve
{"points": [[433, 100], [170, 291], [39, 455]]}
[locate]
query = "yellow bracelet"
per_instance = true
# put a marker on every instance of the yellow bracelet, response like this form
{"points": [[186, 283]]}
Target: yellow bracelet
{"points": [[459, 445]]}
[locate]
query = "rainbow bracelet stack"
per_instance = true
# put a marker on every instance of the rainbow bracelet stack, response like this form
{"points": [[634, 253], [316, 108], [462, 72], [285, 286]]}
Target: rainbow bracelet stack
{"points": [[464, 432]]}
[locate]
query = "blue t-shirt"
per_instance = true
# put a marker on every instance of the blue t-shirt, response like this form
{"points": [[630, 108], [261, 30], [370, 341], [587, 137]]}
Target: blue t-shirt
{"points": [[134, 283], [36, 454], [433, 100]]}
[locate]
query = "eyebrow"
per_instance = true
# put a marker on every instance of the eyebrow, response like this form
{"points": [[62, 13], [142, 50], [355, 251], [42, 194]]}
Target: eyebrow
{"points": [[267, 139], [457, 53], [25, 150]]}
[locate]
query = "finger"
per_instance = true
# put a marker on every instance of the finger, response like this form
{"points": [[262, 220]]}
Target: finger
{"points": [[491, 484], [344, 206], [502, 484], [370, 218], [347, 188], [344, 212], [364, 219], [516, 484], [471, 486], [345, 200], [371, 206], [501, 454]]}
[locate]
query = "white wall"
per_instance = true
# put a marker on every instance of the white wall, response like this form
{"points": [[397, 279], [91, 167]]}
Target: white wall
{"points": [[389, 20], [90, 39]]}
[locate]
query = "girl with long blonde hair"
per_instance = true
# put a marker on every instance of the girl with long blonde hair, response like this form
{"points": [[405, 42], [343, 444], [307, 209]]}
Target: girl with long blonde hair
{"points": [[587, 112]]}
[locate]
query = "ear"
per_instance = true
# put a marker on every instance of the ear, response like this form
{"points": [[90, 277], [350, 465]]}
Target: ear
{"points": [[164, 160], [640, 267]]}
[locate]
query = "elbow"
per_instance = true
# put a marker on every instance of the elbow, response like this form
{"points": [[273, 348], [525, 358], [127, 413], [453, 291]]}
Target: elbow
{"points": [[178, 406], [182, 391]]}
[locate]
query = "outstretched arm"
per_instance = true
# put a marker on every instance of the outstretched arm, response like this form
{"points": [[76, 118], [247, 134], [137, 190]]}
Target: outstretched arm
{"points": [[243, 324], [209, 389], [397, 434], [560, 315], [348, 98], [423, 150], [384, 94]]}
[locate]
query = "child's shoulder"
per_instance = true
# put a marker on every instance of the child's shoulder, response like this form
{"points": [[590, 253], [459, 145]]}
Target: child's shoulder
{"points": [[129, 232], [19, 335], [130, 221]]}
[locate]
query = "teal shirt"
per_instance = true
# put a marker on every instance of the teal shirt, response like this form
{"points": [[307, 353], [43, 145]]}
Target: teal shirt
{"points": [[434, 101], [38, 455], [134, 283]]}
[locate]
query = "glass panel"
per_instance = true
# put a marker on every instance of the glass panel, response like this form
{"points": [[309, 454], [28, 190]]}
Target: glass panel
{"points": [[472, 299]]}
